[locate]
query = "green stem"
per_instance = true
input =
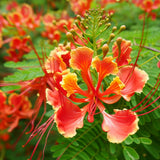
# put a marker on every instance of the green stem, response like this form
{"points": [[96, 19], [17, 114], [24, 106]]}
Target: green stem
{"points": [[94, 36]]}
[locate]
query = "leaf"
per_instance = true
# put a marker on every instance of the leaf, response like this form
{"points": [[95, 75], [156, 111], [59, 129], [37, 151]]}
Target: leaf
{"points": [[130, 152], [112, 148], [129, 140], [23, 75], [145, 140]]}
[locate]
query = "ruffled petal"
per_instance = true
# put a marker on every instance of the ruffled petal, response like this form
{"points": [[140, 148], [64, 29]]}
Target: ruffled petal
{"points": [[69, 83], [68, 118], [53, 98], [115, 87], [81, 58], [55, 64], [120, 125], [124, 57], [104, 67], [134, 82]]}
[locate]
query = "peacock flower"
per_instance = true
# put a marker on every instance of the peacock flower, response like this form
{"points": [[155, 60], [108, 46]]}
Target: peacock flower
{"points": [[18, 47], [69, 117], [18, 107]]}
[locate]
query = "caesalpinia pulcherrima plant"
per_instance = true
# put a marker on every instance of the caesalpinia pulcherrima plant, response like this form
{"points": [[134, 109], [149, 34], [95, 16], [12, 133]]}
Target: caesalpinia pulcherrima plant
{"points": [[105, 75], [80, 79]]}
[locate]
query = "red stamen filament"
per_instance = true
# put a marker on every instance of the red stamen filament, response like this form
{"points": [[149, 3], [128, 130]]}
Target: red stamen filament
{"points": [[148, 94], [40, 131], [150, 105]]}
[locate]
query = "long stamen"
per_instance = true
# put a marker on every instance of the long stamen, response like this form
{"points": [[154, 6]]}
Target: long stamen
{"points": [[142, 107], [40, 131], [157, 82], [140, 49], [150, 105]]}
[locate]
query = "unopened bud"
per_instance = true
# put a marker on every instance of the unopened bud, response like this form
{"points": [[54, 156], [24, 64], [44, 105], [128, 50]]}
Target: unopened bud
{"points": [[114, 29], [65, 27], [105, 49], [122, 28], [79, 17], [107, 19], [54, 22], [68, 48], [69, 36], [112, 35], [73, 32], [55, 43], [119, 41], [108, 24]]}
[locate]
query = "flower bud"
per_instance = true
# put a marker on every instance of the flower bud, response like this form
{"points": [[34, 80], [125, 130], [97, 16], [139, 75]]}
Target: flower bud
{"points": [[112, 35], [69, 36], [122, 28], [114, 29], [119, 41], [105, 49]]}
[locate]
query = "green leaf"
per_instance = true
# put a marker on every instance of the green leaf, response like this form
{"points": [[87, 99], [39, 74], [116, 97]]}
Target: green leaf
{"points": [[130, 152], [112, 148], [145, 140], [23, 75], [129, 140]]}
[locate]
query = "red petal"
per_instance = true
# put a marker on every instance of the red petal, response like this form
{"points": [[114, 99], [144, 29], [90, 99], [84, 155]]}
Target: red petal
{"points": [[68, 118], [81, 58], [120, 125], [53, 98], [134, 82], [104, 67], [69, 83], [55, 64], [124, 57], [115, 87]]}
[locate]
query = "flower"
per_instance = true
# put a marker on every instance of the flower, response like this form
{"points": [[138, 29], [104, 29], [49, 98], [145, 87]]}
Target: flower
{"points": [[18, 47], [18, 107], [69, 116]]}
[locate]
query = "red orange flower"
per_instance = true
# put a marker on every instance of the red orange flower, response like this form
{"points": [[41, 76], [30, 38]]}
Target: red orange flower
{"points": [[18, 107], [69, 116], [18, 47]]}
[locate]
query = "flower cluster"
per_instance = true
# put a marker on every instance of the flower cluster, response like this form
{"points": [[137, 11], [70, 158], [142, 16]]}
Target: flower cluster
{"points": [[13, 109], [18, 47], [69, 116], [55, 26]]}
